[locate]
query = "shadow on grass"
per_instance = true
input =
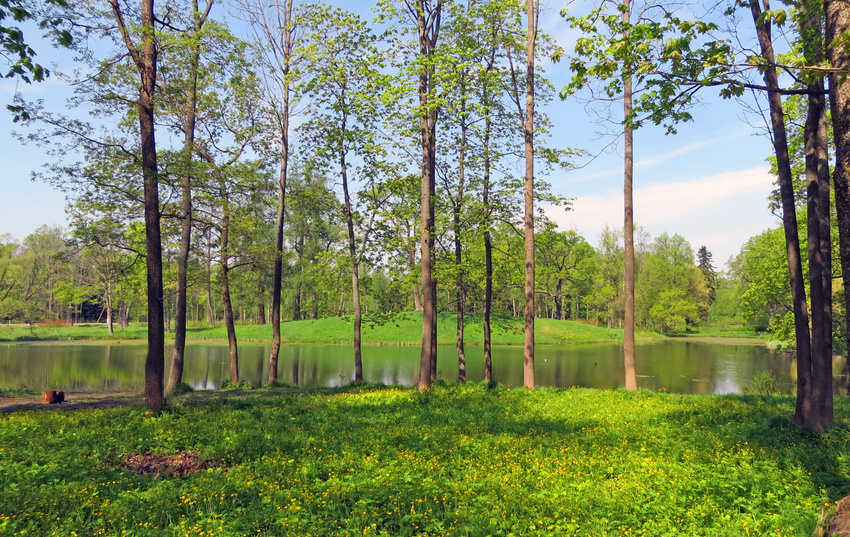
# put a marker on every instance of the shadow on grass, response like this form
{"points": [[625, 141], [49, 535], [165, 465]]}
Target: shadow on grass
{"points": [[764, 423]]}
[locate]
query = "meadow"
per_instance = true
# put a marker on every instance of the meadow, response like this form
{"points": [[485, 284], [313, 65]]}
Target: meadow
{"points": [[462, 460], [384, 329]]}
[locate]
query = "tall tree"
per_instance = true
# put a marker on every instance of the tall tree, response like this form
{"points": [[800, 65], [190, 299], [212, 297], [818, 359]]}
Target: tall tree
{"points": [[345, 84], [272, 25], [188, 122], [144, 58], [526, 117], [805, 410], [837, 26], [628, 215]]}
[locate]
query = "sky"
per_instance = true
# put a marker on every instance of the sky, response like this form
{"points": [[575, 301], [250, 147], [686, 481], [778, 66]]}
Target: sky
{"points": [[708, 183]]}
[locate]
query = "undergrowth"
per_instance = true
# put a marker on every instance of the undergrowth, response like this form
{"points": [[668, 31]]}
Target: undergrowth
{"points": [[461, 460]]}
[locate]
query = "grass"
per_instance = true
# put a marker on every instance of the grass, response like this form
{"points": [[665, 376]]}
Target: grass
{"points": [[463, 460], [384, 329]]}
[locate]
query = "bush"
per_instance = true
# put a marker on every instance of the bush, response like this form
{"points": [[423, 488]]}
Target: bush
{"points": [[763, 383], [182, 388]]}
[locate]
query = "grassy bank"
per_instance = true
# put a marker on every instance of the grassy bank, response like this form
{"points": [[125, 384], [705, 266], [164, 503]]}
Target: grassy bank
{"points": [[387, 329], [465, 460]]}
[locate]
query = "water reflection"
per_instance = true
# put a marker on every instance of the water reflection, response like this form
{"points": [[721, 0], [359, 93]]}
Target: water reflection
{"points": [[674, 366]]}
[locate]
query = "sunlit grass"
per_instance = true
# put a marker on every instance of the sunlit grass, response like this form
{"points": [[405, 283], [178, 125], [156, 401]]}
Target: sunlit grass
{"points": [[464, 460], [384, 329]]}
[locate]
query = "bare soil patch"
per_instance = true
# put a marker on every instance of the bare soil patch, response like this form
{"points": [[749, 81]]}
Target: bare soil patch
{"points": [[175, 465], [73, 401]]}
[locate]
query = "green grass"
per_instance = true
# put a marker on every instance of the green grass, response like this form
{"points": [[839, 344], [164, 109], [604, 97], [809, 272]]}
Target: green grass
{"points": [[385, 329], [464, 460]]}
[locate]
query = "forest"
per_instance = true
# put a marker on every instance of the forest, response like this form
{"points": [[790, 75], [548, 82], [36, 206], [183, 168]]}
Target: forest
{"points": [[294, 160], [277, 161]]}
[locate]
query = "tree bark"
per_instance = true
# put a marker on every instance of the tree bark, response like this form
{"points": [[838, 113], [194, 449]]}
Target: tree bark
{"points": [[428, 26], [628, 231], [804, 413], [819, 243], [528, 134], [488, 257], [837, 25], [108, 300]]}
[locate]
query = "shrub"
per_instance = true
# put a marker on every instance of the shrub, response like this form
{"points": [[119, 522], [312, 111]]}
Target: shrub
{"points": [[763, 383]]}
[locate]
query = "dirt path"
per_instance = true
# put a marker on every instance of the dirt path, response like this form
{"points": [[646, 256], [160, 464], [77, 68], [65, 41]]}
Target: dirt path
{"points": [[73, 401]]}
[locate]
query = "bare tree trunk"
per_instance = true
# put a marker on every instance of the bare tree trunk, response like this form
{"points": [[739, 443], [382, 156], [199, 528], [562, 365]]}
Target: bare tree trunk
{"points": [[629, 232], [528, 132], [279, 33], [804, 413], [559, 300]]}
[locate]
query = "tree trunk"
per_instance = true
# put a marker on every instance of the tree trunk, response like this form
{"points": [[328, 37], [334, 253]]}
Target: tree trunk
{"points": [[559, 300], [225, 292], [189, 119], [146, 64], [108, 300], [819, 243], [428, 25], [281, 194], [628, 231], [488, 257], [804, 413], [210, 311], [528, 133], [837, 25], [355, 275], [459, 291]]}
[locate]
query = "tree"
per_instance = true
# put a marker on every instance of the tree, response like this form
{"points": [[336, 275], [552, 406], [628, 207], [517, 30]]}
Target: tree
{"points": [[144, 58], [526, 118], [427, 17], [565, 258], [704, 262], [275, 35], [346, 86], [19, 55], [188, 120]]}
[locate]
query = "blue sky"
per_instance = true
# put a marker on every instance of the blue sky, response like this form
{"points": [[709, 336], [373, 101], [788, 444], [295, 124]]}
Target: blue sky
{"points": [[709, 183]]}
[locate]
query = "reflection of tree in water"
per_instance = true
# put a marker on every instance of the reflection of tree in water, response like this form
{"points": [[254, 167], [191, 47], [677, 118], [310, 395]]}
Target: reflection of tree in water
{"points": [[207, 368], [296, 359]]}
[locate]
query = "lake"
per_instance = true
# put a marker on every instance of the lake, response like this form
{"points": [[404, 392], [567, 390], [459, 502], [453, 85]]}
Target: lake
{"points": [[675, 366]]}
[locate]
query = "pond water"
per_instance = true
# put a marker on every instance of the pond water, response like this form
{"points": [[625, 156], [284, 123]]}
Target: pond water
{"points": [[674, 366]]}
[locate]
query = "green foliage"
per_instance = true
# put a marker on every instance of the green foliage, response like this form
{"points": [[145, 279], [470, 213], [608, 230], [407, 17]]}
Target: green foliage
{"points": [[762, 269], [182, 389], [764, 383], [460, 460], [241, 385]]}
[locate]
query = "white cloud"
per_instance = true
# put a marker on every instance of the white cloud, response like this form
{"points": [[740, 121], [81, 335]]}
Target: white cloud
{"points": [[721, 210]]}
